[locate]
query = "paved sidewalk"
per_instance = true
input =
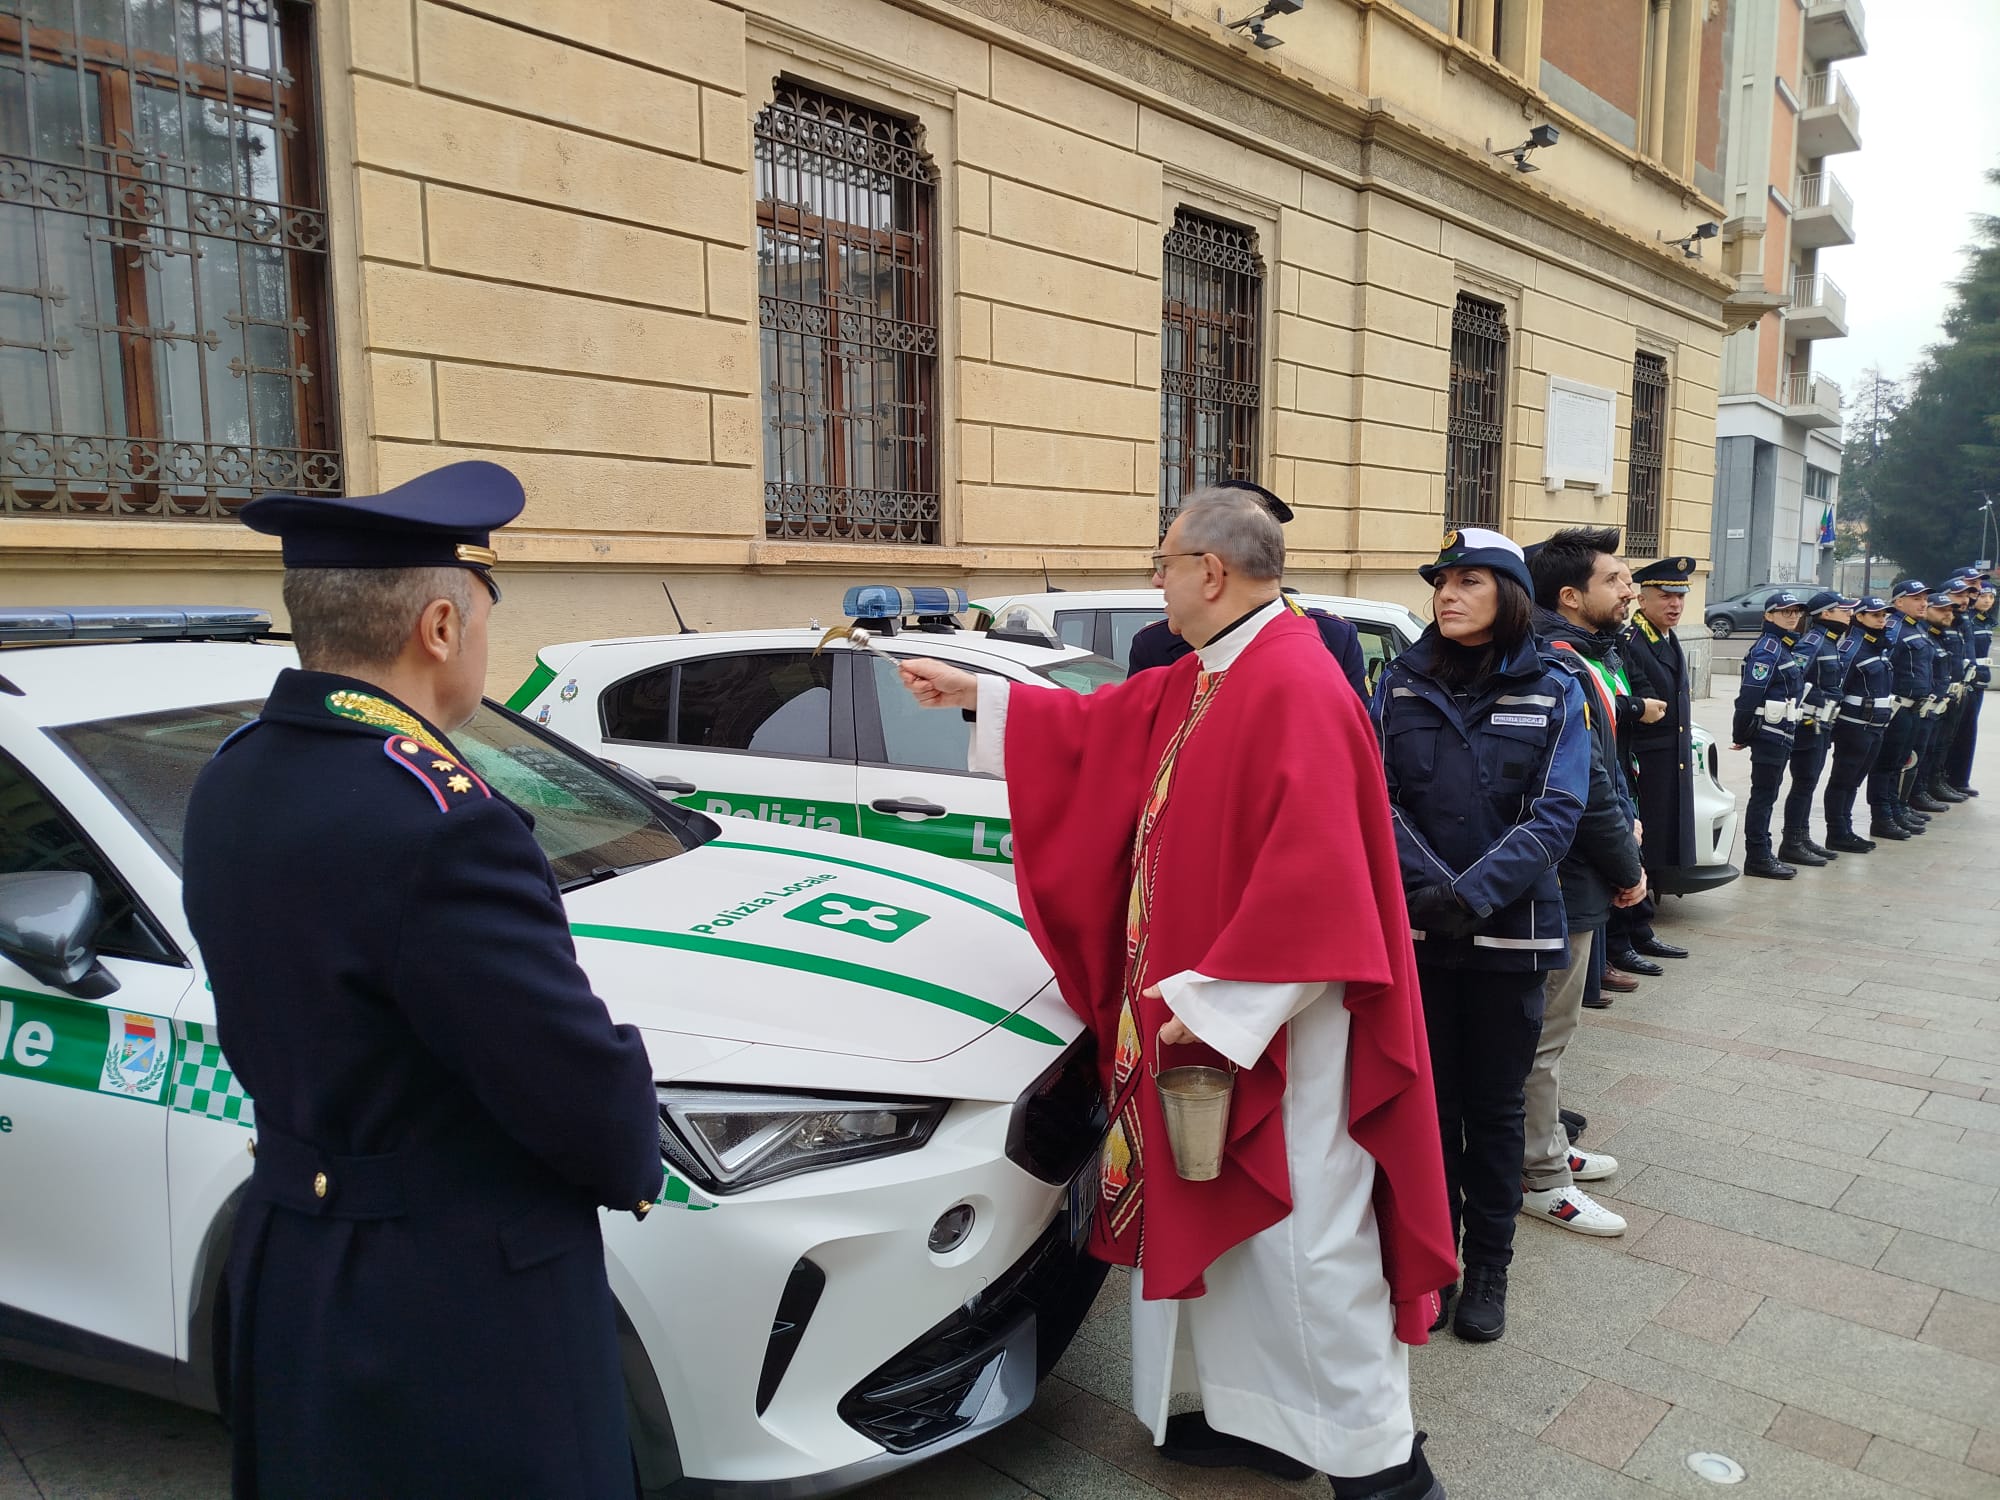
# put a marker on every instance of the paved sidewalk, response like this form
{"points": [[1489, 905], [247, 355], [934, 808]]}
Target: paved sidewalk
{"points": [[1807, 1117]]}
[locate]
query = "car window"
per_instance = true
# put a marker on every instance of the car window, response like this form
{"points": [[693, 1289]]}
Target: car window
{"points": [[1075, 626], [1083, 674], [36, 835], [1379, 645], [1126, 623], [586, 820], [928, 738], [775, 702]]}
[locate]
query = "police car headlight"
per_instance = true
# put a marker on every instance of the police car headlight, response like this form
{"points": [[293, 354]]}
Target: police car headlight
{"points": [[728, 1141]]}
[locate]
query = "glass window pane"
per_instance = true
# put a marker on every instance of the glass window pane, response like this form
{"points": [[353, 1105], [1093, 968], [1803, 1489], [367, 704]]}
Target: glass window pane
{"points": [[780, 703], [923, 738], [35, 835], [1126, 623], [1075, 626], [639, 707]]}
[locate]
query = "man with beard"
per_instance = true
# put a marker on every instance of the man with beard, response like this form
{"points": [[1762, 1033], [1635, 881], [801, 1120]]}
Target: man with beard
{"points": [[1662, 751]]}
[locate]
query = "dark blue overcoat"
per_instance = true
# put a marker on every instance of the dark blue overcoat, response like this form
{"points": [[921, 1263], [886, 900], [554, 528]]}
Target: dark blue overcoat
{"points": [[417, 1295]]}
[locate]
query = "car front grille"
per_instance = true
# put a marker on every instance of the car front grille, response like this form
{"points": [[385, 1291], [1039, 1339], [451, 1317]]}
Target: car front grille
{"points": [[931, 1389], [1061, 1120]]}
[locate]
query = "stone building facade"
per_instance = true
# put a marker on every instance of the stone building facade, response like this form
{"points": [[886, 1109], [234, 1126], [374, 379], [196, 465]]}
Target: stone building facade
{"points": [[764, 299]]}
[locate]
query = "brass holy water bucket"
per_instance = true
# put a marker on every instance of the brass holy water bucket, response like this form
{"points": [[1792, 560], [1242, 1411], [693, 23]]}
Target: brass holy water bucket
{"points": [[1195, 1101]]}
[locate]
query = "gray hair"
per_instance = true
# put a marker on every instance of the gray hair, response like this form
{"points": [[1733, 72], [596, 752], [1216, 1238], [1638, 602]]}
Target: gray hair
{"points": [[344, 619], [1237, 529]]}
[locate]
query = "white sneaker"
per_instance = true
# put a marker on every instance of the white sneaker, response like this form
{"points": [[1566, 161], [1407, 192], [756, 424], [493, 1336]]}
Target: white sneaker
{"points": [[1572, 1208], [1591, 1166]]}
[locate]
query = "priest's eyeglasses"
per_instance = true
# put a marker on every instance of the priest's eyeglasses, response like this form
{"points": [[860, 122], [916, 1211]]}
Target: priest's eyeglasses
{"points": [[1160, 559]]}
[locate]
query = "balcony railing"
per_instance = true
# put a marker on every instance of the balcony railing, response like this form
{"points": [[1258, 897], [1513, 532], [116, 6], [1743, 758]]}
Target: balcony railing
{"points": [[1819, 308], [1823, 190], [1830, 121], [1835, 29], [1813, 399]]}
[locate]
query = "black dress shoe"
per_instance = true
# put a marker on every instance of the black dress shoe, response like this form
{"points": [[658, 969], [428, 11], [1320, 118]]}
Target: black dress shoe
{"points": [[1573, 1124], [1630, 962], [1849, 843], [1190, 1440], [1883, 828], [1795, 852], [1924, 802], [1963, 791], [1652, 947], [1764, 867], [1822, 851]]}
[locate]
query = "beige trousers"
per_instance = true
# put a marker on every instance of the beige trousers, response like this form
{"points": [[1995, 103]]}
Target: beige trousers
{"points": [[1545, 1144]]}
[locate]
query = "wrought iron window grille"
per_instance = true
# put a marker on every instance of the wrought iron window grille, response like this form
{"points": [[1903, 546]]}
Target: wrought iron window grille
{"points": [[1211, 357], [163, 247], [847, 316], [1649, 454], [1475, 430]]}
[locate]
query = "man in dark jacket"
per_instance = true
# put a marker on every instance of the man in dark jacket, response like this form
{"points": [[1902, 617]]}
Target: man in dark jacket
{"points": [[1909, 652], [1977, 621], [1765, 721], [1156, 645], [1582, 592], [1662, 751], [1824, 651], [417, 1302], [1866, 706]]}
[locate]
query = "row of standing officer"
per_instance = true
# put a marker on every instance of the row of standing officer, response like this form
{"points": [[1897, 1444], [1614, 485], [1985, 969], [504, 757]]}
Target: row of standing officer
{"points": [[1889, 687]]}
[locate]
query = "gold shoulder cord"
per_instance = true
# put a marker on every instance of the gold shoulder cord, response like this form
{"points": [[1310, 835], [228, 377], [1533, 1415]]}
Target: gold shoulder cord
{"points": [[376, 713]]}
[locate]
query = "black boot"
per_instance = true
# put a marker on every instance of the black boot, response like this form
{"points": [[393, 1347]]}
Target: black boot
{"points": [[1924, 802], [1407, 1481], [1847, 841], [1885, 825], [1482, 1305], [1943, 791], [1963, 791], [1190, 1440], [1821, 849], [1913, 822], [1760, 864], [1795, 850]]}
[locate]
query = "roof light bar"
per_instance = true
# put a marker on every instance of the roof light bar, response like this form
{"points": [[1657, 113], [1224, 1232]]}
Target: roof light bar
{"points": [[133, 622], [882, 601]]}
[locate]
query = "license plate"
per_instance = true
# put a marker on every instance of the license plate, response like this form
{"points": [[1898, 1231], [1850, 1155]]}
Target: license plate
{"points": [[1079, 1200]]}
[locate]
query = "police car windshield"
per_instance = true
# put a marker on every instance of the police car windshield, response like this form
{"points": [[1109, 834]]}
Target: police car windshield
{"points": [[1083, 674], [588, 822]]}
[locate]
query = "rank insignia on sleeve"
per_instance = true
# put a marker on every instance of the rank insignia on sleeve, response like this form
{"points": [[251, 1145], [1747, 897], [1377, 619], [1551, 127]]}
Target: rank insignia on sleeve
{"points": [[448, 782]]}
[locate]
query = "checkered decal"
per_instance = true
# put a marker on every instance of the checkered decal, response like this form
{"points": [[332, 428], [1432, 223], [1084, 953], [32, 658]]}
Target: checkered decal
{"points": [[203, 1084]]}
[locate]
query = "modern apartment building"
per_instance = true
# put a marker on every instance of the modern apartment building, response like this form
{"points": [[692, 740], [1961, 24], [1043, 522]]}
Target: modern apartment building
{"points": [[1777, 458], [769, 297]]}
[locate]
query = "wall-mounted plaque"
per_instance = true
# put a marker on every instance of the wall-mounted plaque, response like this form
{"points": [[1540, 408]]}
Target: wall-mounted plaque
{"points": [[1579, 436]]}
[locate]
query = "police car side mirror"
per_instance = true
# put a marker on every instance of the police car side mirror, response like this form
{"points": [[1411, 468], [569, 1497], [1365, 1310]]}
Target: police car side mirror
{"points": [[47, 919]]}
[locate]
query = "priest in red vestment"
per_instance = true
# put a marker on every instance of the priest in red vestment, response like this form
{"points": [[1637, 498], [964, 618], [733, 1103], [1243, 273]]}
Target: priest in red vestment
{"points": [[1205, 858]]}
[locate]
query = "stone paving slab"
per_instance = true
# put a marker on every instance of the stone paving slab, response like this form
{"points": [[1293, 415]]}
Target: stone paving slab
{"points": [[1807, 1113]]}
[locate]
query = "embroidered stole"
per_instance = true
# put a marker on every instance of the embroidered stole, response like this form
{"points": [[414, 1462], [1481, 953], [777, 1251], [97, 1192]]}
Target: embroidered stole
{"points": [[1122, 1169]]}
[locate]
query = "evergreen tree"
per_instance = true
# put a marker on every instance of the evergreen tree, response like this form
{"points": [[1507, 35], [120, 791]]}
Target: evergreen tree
{"points": [[1942, 448]]}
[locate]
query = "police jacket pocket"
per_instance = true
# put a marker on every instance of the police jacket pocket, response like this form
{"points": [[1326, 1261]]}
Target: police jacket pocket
{"points": [[546, 1231], [1510, 749], [1412, 751]]}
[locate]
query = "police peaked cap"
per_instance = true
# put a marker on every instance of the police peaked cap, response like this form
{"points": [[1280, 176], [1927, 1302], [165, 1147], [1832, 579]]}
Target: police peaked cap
{"points": [[1670, 574], [1907, 587], [1280, 511], [1941, 600], [443, 519], [1477, 547], [1871, 604], [1828, 599]]}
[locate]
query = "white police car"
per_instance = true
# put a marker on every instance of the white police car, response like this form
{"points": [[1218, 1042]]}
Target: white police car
{"points": [[790, 728], [877, 1120], [1105, 620]]}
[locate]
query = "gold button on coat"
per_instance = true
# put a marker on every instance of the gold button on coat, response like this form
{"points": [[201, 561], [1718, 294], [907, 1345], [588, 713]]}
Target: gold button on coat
{"points": [[319, 1184]]}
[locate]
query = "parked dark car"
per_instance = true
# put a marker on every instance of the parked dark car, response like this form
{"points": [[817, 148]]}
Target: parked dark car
{"points": [[1746, 611]]}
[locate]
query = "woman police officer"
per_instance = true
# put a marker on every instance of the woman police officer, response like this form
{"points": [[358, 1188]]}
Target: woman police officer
{"points": [[1487, 754]]}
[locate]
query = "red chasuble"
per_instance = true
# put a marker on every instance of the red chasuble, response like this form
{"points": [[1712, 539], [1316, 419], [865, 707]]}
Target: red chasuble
{"points": [[1269, 859]]}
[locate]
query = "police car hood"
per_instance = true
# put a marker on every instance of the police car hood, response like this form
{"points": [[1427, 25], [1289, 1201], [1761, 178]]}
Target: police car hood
{"points": [[785, 938]]}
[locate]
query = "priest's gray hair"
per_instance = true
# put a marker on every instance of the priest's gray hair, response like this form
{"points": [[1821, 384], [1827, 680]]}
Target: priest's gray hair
{"points": [[352, 619], [1237, 529]]}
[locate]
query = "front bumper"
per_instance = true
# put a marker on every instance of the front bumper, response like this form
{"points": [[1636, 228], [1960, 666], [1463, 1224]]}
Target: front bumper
{"points": [[1690, 880]]}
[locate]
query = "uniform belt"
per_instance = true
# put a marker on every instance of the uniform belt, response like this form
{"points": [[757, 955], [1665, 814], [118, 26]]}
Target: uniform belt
{"points": [[307, 1180], [1905, 703]]}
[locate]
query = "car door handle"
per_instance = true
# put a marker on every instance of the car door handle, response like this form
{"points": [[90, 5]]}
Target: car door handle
{"points": [[673, 784], [907, 805]]}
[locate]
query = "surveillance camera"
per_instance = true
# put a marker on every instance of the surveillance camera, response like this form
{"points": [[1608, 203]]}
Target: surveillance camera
{"points": [[1544, 135], [1265, 39], [1708, 229]]}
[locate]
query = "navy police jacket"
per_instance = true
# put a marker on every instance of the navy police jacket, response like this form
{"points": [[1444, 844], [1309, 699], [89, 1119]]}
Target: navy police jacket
{"points": [[1910, 660], [1982, 644], [1949, 659], [1821, 670], [1865, 699], [1767, 703], [1485, 790], [417, 1300]]}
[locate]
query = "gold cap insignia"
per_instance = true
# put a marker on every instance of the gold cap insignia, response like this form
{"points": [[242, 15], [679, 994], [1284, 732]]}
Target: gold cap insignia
{"points": [[1450, 541], [483, 557]]}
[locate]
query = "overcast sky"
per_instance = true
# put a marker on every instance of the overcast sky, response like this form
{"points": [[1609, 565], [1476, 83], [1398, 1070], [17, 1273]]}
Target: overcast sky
{"points": [[1928, 132]]}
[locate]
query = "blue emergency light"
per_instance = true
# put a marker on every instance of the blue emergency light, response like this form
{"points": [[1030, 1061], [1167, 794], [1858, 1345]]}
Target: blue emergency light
{"points": [[885, 601], [23, 625]]}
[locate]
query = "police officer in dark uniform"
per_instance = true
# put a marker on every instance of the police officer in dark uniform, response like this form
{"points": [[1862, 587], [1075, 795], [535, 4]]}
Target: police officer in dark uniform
{"points": [[1824, 653], [1767, 711], [1662, 751], [1866, 707], [1977, 621], [1940, 633], [1910, 687], [1957, 639], [417, 1302], [1157, 646]]}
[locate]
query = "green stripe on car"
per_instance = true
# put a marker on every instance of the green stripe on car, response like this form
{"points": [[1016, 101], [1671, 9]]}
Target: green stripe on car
{"points": [[855, 864], [829, 968], [531, 686]]}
